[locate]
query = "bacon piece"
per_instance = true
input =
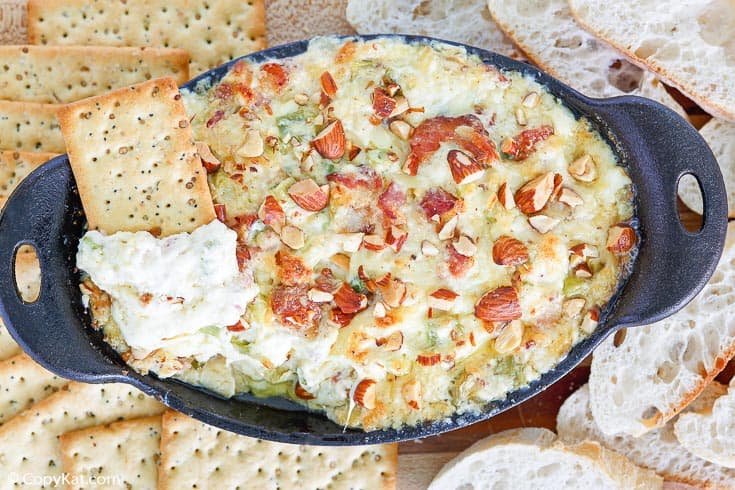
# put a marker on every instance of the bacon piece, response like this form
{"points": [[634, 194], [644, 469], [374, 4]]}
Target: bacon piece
{"points": [[366, 178], [458, 263], [291, 269], [348, 300], [437, 201], [238, 327], [294, 309], [216, 117], [221, 212], [277, 75], [383, 104], [391, 200], [524, 143], [242, 252]]}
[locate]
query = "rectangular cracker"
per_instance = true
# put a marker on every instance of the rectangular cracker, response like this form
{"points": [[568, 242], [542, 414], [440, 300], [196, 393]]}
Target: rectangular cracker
{"points": [[28, 126], [135, 162], [212, 31], [29, 442], [8, 346], [127, 452], [15, 166], [22, 383], [61, 74], [227, 460]]}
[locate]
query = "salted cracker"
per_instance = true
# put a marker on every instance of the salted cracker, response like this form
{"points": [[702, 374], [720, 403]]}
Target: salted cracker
{"points": [[29, 442], [135, 162], [213, 32], [22, 383], [8, 346], [196, 455], [61, 74], [29, 126], [15, 166], [120, 455]]}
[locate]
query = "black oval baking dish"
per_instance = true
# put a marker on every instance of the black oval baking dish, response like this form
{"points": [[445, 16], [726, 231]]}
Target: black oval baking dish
{"points": [[655, 144]]}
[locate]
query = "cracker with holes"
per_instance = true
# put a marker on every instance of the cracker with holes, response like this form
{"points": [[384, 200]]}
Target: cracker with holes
{"points": [[194, 454], [212, 31], [29, 442], [127, 450], [61, 74], [22, 383], [135, 161], [29, 126], [15, 166]]}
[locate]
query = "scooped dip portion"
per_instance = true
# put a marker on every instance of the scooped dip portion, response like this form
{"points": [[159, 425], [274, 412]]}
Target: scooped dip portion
{"points": [[424, 234]]}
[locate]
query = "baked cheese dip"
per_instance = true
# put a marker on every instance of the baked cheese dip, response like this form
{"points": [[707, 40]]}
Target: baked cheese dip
{"points": [[405, 233]]}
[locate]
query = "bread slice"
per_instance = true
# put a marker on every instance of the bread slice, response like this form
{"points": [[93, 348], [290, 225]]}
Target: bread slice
{"points": [[135, 162], [546, 31], [28, 126], [15, 166], [691, 44], [709, 431], [127, 452], [290, 21], [196, 455], [23, 383], [720, 136], [657, 450], [213, 32], [532, 458], [13, 22], [643, 377], [465, 21]]}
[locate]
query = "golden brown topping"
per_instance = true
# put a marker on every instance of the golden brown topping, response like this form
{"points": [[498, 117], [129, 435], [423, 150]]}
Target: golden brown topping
{"points": [[583, 169], [308, 195], [509, 338], [329, 86], [392, 342], [505, 196], [621, 239], [411, 392], [464, 168], [542, 223], [365, 393], [509, 251], [442, 299], [499, 305], [293, 237], [330, 142], [429, 359], [533, 196]]}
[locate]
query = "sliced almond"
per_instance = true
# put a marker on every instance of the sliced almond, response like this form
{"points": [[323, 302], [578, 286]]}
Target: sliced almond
{"points": [[331, 141], [499, 305], [521, 117], [392, 342], [373, 242], [465, 246], [533, 196], [302, 393], [401, 129], [252, 146], [429, 359], [542, 223], [392, 291], [583, 169], [509, 146], [329, 86], [509, 338], [308, 195], [621, 239], [292, 236], [395, 238], [585, 250], [429, 249], [319, 296], [509, 251], [301, 99], [531, 100], [365, 393], [464, 168], [379, 310], [505, 196], [271, 213], [447, 230], [573, 306], [591, 320], [341, 260], [570, 198], [583, 271], [350, 241], [401, 106], [442, 299], [348, 300], [211, 163], [411, 393]]}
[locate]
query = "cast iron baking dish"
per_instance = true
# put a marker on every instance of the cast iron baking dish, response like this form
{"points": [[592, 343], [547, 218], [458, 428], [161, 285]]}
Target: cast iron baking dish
{"points": [[655, 145]]}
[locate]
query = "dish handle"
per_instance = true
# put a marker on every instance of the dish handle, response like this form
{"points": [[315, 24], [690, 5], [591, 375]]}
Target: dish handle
{"points": [[50, 329], [673, 264]]}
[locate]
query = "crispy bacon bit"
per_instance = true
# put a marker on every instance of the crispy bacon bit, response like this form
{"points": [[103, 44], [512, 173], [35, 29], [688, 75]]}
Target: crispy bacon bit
{"points": [[221, 212], [242, 252], [523, 144], [216, 117], [383, 104], [294, 309], [429, 359], [326, 282], [348, 300], [301, 392], [458, 263], [238, 327], [271, 213], [499, 305], [340, 318], [391, 200], [291, 269], [329, 86], [437, 201], [223, 91], [366, 178], [277, 74]]}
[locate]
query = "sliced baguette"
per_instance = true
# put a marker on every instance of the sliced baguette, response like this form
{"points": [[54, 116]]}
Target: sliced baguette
{"points": [[290, 21], [720, 136], [466, 21], [709, 431], [689, 43], [643, 377], [657, 450], [546, 31], [533, 458]]}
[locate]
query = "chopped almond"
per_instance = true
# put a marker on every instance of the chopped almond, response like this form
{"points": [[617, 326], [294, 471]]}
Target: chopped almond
{"points": [[621, 239], [348, 300], [429, 249], [350, 241], [329, 86], [531, 100], [509, 338], [319, 296], [505, 196], [573, 306], [308, 195], [393, 291], [301, 392], [442, 299], [210, 162], [583, 271], [252, 146], [465, 246], [533, 196], [365, 393], [411, 392], [401, 106], [342, 261], [401, 129], [383, 104], [331, 141], [591, 320], [293, 237], [542, 223], [447, 230], [373, 242], [509, 251], [392, 342], [271, 213], [429, 359], [570, 198], [464, 168], [499, 305], [379, 311], [395, 238], [583, 169]]}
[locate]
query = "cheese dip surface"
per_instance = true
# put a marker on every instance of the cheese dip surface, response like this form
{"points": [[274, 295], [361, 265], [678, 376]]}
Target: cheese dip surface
{"points": [[424, 233]]}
